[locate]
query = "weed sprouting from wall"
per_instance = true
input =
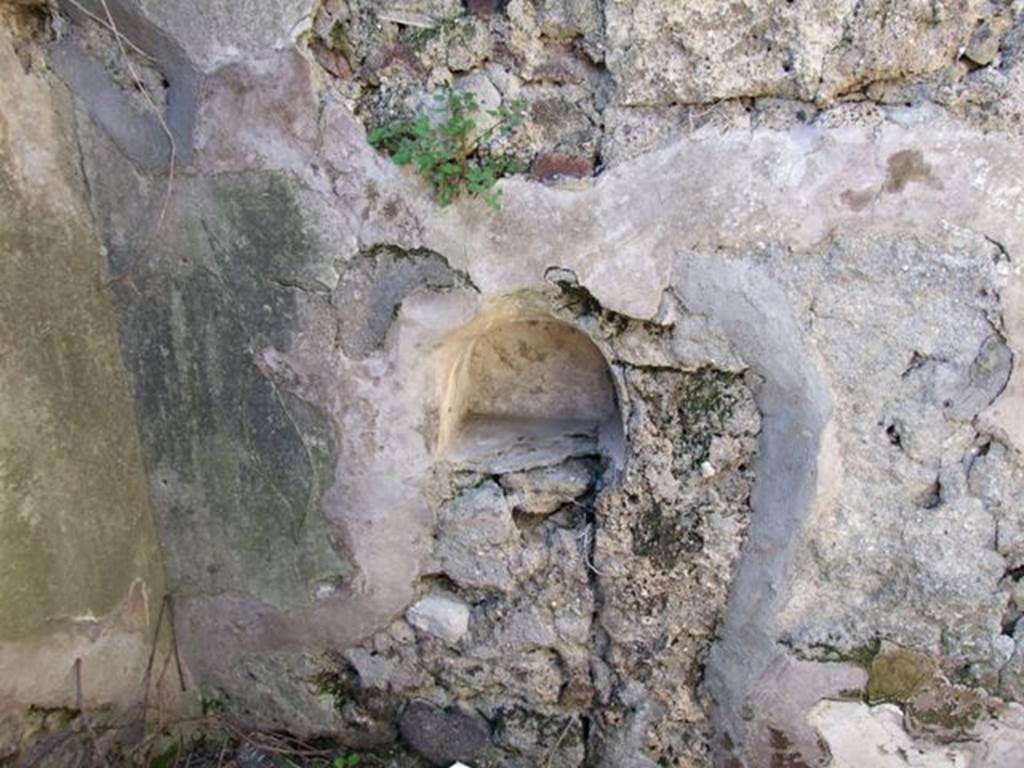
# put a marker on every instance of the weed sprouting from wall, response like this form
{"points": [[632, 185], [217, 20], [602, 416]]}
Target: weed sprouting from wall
{"points": [[449, 151]]}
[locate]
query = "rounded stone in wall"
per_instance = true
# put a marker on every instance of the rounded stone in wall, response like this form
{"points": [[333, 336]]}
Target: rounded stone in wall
{"points": [[443, 736]]}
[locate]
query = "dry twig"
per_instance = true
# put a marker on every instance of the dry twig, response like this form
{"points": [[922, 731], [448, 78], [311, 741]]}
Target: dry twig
{"points": [[84, 715], [85, 11], [558, 743]]}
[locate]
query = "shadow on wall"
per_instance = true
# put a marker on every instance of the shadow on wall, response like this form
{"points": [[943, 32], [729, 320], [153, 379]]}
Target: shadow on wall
{"points": [[525, 389]]}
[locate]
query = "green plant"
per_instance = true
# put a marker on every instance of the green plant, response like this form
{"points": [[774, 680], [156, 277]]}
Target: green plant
{"points": [[348, 760], [449, 152]]}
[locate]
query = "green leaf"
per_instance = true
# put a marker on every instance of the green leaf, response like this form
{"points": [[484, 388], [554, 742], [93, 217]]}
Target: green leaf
{"points": [[420, 127], [447, 153]]}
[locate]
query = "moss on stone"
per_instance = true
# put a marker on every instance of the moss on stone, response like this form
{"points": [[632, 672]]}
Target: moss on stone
{"points": [[945, 711], [896, 673], [340, 688], [664, 536], [338, 41], [861, 655], [708, 397]]}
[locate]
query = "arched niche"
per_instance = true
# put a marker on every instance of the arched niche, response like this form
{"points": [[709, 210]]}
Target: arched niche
{"points": [[524, 388]]}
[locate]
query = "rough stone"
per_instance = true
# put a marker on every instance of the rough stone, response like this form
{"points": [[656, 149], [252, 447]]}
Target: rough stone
{"points": [[541, 738], [443, 736], [484, 7], [667, 545], [551, 166], [217, 33], [440, 615], [986, 39], [858, 735], [543, 491], [474, 533], [614, 77]]}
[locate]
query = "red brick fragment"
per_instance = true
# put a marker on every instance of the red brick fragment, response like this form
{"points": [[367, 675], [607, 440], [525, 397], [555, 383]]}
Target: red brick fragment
{"points": [[483, 8], [332, 61], [549, 165]]}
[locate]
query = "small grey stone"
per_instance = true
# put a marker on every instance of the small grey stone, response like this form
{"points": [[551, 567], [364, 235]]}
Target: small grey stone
{"points": [[253, 757], [984, 45], [440, 615], [474, 535], [443, 736], [374, 670], [542, 491]]}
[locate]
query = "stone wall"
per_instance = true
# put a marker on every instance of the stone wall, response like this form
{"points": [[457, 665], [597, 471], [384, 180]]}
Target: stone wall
{"points": [[606, 81], [785, 288]]}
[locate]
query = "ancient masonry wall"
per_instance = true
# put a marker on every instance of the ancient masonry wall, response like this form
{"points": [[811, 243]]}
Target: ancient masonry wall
{"points": [[703, 450]]}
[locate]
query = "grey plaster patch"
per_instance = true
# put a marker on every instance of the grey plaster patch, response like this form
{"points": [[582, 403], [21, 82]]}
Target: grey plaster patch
{"points": [[215, 33], [373, 285], [131, 122]]}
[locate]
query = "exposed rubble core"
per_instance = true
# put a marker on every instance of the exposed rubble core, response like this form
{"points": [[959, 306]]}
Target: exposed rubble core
{"points": [[605, 80], [571, 593], [667, 543]]}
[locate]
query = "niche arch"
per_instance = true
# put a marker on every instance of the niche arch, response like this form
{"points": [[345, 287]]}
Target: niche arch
{"points": [[525, 388]]}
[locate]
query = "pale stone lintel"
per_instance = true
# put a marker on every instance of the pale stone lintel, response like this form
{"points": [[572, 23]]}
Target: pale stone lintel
{"points": [[742, 191]]}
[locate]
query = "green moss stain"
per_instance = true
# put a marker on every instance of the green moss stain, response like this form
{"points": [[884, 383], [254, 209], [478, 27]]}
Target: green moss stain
{"points": [[665, 535], [708, 398], [338, 41], [861, 655], [895, 674], [914, 681], [339, 687], [244, 461]]}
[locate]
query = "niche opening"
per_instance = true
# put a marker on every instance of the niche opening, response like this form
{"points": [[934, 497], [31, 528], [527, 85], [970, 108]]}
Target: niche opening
{"points": [[527, 391]]}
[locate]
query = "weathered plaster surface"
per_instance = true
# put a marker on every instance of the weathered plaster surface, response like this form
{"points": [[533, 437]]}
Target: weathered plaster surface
{"points": [[79, 563]]}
